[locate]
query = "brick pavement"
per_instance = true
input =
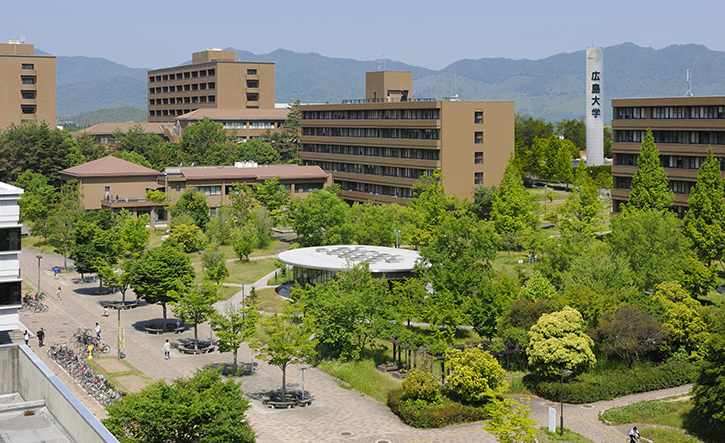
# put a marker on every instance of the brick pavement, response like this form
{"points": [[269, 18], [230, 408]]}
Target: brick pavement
{"points": [[335, 410]]}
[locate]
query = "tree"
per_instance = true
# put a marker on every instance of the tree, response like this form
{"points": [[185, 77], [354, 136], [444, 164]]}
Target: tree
{"points": [[650, 188], [598, 268], [96, 240], [133, 233], [287, 140], [133, 157], [62, 220], [158, 198], [189, 237], [582, 212], [194, 304], [193, 204], [204, 142], [527, 130], [244, 240], [512, 211], [201, 409], [685, 320], [349, 311], [631, 334], [213, 260], [37, 202], [510, 421], [233, 327], [272, 195], [704, 222], [258, 152], [558, 161], [574, 130], [313, 217], [652, 243], [116, 277], [290, 340], [709, 390], [557, 341], [488, 304], [369, 224], [483, 201], [220, 226], [243, 202], [90, 148], [475, 375], [159, 271], [431, 207]]}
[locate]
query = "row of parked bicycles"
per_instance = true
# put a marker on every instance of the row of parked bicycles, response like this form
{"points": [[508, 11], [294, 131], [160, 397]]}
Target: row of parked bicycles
{"points": [[94, 384], [32, 302], [85, 337]]}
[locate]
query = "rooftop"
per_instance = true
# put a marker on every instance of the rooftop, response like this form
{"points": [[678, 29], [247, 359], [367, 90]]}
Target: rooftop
{"points": [[109, 166], [263, 172], [110, 128], [236, 114], [341, 257]]}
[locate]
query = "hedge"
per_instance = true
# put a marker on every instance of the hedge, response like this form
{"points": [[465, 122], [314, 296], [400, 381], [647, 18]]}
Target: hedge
{"points": [[434, 416], [590, 388]]}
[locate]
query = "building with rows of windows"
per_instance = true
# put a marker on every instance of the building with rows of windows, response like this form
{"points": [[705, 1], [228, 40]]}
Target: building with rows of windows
{"points": [[214, 79], [27, 85], [377, 148], [683, 128], [10, 281]]}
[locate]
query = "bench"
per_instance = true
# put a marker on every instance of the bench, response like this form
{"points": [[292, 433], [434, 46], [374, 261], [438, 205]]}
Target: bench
{"points": [[206, 350], [280, 404], [304, 402]]}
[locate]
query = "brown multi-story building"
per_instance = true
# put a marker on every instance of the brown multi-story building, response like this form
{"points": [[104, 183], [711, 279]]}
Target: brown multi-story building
{"points": [[240, 124], [27, 85], [683, 128], [377, 148], [214, 79]]}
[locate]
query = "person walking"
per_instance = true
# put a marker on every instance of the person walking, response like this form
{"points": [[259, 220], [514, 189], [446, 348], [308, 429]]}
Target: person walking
{"points": [[41, 336], [105, 310], [167, 349], [56, 271], [98, 331], [26, 336], [58, 294]]}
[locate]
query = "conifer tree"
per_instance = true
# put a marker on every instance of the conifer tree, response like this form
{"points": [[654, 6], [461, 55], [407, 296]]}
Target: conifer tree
{"points": [[512, 211], [704, 222], [650, 188]]}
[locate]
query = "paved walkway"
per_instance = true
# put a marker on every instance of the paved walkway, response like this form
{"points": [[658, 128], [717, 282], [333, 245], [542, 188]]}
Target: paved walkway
{"points": [[334, 411]]}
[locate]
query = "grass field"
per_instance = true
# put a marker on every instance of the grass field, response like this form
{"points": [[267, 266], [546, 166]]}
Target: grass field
{"points": [[363, 377]]}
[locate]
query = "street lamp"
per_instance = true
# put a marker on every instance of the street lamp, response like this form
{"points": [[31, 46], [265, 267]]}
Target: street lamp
{"points": [[39, 257], [397, 237], [303, 380], [563, 373], [532, 259]]}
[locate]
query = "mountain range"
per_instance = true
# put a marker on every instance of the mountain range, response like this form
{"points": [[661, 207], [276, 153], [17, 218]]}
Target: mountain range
{"points": [[552, 87]]}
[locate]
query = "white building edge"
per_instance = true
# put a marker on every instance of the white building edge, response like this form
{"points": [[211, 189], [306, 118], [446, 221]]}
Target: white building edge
{"points": [[10, 281]]}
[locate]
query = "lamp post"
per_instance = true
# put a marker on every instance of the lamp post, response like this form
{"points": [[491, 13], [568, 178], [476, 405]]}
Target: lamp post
{"points": [[563, 373], [303, 380], [532, 259], [397, 237], [39, 257]]}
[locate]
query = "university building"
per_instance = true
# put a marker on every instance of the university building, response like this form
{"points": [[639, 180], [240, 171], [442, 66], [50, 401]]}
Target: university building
{"points": [[10, 281], [378, 147], [27, 85], [214, 79], [683, 128]]}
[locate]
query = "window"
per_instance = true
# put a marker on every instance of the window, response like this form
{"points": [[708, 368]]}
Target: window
{"points": [[172, 88], [671, 161], [339, 132], [390, 133], [668, 112], [704, 138], [390, 152], [211, 72], [355, 132], [152, 79], [202, 99], [679, 187], [372, 132], [187, 75], [152, 90], [430, 154], [478, 178], [10, 293], [10, 239], [697, 162], [355, 115], [202, 85], [409, 153], [337, 149], [158, 78], [158, 90], [235, 125], [187, 99], [28, 109], [338, 115], [411, 114], [355, 150], [478, 158], [28, 80], [179, 76], [430, 134], [705, 112], [372, 151], [211, 99], [165, 78], [194, 74], [627, 159], [431, 114], [372, 169], [251, 72], [627, 113], [624, 182], [210, 190], [630, 136], [252, 83], [211, 85], [390, 171], [478, 138], [373, 115], [202, 73], [28, 95], [478, 117], [187, 87], [668, 136], [28, 66], [252, 97], [178, 187], [195, 87], [261, 125]]}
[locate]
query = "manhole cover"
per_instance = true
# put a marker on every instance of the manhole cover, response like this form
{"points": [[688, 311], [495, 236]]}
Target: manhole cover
{"points": [[346, 434], [64, 324], [588, 406], [382, 441]]}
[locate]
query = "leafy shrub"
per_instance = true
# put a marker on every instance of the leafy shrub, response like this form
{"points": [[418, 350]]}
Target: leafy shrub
{"points": [[434, 416], [419, 385], [475, 375], [189, 237], [589, 389]]}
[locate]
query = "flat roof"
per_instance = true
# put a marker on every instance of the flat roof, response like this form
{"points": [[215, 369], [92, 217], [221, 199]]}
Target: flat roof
{"points": [[261, 172], [342, 257], [236, 114]]}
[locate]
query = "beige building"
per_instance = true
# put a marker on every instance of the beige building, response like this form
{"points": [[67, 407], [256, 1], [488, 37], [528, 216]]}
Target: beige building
{"points": [[116, 184], [683, 128], [240, 124], [104, 132], [27, 85], [214, 79], [377, 148]]}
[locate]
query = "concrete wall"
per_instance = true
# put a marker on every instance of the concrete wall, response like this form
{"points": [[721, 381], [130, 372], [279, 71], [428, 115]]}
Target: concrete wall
{"points": [[23, 372]]}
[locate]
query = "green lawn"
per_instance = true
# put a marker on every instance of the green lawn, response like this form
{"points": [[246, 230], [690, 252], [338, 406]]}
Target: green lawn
{"points": [[269, 301], [544, 436], [38, 243], [362, 377], [662, 413]]}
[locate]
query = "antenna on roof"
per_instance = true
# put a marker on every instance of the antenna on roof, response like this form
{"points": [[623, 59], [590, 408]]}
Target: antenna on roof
{"points": [[689, 84]]}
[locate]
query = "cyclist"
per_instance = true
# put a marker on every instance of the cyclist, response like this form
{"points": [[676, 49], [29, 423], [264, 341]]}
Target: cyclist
{"points": [[634, 435]]}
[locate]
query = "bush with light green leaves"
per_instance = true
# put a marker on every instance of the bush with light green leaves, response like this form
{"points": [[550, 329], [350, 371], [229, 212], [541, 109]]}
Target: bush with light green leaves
{"points": [[475, 377]]}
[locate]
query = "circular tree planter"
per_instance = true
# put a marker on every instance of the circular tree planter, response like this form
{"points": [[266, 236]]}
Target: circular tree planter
{"points": [[157, 329], [189, 349]]}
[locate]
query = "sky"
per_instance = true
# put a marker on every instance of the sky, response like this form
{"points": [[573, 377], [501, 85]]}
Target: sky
{"points": [[432, 34]]}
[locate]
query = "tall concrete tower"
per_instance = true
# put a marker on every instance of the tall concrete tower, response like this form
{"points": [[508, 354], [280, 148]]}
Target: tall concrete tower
{"points": [[595, 107]]}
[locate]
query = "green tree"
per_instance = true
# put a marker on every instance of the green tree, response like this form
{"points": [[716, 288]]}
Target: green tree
{"points": [[582, 212], [233, 327], [709, 390], [136, 145], [287, 140], [193, 204], [116, 276], [652, 243], [574, 130], [557, 341], [133, 233], [557, 159], [431, 207], [650, 188], [630, 334], [512, 211], [194, 304], [220, 226], [510, 421], [419, 386], [475, 375], [539, 287], [349, 311], [243, 202], [159, 271], [204, 142], [189, 237], [258, 152], [314, 216], [158, 198], [272, 195], [483, 201], [61, 222], [526, 130], [244, 240], [685, 320], [704, 222], [90, 148], [290, 339], [96, 240], [213, 260], [201, 409], [37, 202]]}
